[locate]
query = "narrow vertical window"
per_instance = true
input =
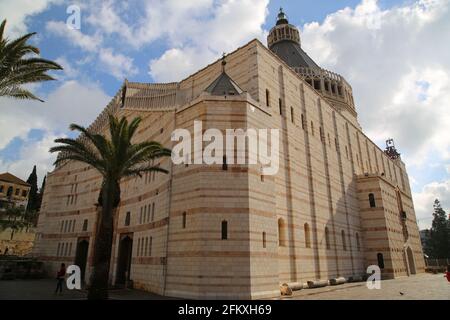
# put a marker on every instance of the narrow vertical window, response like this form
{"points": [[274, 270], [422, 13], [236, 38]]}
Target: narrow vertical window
{"points": [[138, 247], [280, 105], [292, 115], [267, 98], [372, 200], [150, 246], [281, 233], [184, 220], [307, 236], [303, 121], [85, 225], [153, 211], [312, 128], [127, 218], [224, 163], [146, 247], [380, 260], [224, 230], [344, 242], [327, 238], [264, 239]]}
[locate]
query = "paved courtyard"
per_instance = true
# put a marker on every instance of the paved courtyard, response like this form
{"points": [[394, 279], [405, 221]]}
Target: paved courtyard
{"points": [[420, 287]]}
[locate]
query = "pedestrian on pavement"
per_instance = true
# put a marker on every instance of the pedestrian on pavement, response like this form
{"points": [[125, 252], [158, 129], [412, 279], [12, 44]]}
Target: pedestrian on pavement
{"points": [[6, 251], [60, 278]]}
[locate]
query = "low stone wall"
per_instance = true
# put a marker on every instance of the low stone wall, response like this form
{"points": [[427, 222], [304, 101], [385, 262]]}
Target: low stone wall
{"points": [[13, 267]]}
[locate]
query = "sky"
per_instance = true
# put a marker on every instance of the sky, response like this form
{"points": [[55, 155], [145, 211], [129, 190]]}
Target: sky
{"points": [[394, 53]]}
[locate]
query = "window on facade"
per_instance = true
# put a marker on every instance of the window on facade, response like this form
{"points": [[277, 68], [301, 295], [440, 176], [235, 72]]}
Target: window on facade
{"points": [[85, 225], [224, 230], [264, 239], [327, 238], [153, 211], [224, 163], [280, 105], [17, 192], [146, 247], [344, 242], [184, 220], [307, 236], [380, 260], [1, 189], [372, 200], [292, 115], [127, 218], [138, 251], [303, 121], [150, 246], [281, 233], [267, 98], [358, 245], [24, 193]]}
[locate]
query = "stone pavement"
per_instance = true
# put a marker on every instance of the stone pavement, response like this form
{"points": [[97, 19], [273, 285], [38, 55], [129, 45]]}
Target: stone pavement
{"points": [[418, 287], [43, 289]]}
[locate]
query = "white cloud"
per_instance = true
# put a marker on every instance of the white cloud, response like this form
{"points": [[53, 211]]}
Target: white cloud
{"points": [[71, 102], [33, 153], [388, 56], [116, 64], [18, 11], [423, 201], [397, 62], [230, 24]]}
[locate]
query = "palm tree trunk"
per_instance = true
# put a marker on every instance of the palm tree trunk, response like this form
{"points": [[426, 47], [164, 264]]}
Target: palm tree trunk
{"points": [[98, 287]]}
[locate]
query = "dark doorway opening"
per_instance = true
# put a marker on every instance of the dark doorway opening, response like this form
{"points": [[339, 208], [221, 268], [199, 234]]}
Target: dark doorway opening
{"points": [[81, 256], [124, 260]]}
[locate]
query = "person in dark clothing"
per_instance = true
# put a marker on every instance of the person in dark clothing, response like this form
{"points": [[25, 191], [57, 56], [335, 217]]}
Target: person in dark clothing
{"points": [[60, 278], [6, 251]]}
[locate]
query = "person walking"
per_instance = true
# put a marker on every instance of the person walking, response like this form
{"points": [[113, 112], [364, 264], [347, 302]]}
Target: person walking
{"points": [[60, 276]]}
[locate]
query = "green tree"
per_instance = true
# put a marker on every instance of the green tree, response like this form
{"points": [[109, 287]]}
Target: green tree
{"points": [[438, 244], [19, 65], [33, 201], [13, 218], [40, 195], [115, 158]]}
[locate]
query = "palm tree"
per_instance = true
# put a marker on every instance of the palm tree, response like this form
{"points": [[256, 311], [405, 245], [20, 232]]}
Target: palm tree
{"points": [[17, 67], [13, 218], [114, 158]]}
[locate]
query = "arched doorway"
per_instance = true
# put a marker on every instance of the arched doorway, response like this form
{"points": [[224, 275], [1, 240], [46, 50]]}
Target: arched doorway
{"points": [[411, 263], [124, 260], [81, 256]]}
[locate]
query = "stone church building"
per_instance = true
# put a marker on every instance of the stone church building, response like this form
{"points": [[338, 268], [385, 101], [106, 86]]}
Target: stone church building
{"points": [[338, 203]]}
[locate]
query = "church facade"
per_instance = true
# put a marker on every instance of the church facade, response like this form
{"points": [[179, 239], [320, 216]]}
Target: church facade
{"points": [[338, 203]]}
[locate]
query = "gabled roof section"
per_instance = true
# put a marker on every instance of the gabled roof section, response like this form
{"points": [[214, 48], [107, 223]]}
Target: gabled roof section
{"points": [[223, 85], [8, 177]]}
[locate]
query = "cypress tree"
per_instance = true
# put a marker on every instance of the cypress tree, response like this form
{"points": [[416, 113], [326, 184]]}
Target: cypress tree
{"points": [[33, 195], [438, 244]]}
